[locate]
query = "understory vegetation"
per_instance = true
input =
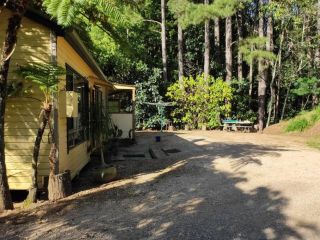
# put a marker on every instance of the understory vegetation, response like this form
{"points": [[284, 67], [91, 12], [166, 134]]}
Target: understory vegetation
{"points": [[303, 121], [200, 101]]}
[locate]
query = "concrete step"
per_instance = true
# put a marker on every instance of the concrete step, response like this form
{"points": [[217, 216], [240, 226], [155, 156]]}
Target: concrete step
{"points": [[157, 153]]}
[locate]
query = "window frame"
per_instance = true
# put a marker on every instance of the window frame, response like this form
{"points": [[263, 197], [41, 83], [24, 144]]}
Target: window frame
{"points": [[80, 124]]}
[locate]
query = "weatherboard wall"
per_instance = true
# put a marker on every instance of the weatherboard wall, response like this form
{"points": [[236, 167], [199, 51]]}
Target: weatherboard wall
{"points": [[76, 158], [22, 114]]}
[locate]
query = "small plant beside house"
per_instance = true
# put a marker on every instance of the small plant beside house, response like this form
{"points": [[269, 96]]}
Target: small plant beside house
{"points": [[46, 77]]}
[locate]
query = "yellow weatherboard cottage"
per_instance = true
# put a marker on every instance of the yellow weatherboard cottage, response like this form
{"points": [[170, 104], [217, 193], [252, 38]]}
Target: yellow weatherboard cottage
{"points": [[83, 89]]}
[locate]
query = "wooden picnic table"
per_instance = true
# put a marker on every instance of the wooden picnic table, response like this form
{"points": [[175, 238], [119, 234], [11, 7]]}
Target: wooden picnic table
{"points": [[237, 125]]}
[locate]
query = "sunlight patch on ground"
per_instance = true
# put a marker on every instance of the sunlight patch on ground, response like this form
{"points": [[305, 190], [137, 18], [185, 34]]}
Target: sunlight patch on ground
{"points": [[270, 233], [144, 222], [144, 178], [162, 229], [190, 206]]}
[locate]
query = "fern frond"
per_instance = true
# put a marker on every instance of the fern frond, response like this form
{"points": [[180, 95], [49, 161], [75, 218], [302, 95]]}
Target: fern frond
{"points": [[45, 75]]}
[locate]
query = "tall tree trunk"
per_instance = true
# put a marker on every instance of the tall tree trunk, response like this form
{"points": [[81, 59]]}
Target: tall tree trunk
{"points": [[10, 41], [251, 77], [240, 38], [206, 69], [277, 65], [163, 41], [229, 49], [217, 48], [180, 54], [217, 33], [270, 48], [262, 78]]}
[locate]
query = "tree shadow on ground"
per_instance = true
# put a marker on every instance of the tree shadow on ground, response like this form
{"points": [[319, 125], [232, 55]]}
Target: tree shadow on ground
{"points": [[174, 198]]}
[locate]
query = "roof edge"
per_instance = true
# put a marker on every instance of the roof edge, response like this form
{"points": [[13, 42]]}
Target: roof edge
{"points": [[71, 36]]}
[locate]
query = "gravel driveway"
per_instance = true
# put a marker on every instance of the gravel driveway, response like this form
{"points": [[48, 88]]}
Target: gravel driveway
{"points": [[203, 185]]}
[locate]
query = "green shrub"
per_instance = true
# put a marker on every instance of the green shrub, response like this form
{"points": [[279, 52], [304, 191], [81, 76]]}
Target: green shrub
{"points": [[298, 124], [199, 101]]}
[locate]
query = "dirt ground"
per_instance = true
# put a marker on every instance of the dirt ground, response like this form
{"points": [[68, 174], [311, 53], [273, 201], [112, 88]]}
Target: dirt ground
{"points": [[203, 185]]}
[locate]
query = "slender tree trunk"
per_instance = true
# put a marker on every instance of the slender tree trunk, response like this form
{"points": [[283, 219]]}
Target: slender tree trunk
{"points": [[53, 150], [306, 103], [206, 69], [10, 41], [285, 103], [251, 78], [180, 54], [262, 78], [278, 81], [163, 41], [277, 101], [251, 69], [45, 115], [229, 49], [270, 48], [240, 38], [217, 49]]}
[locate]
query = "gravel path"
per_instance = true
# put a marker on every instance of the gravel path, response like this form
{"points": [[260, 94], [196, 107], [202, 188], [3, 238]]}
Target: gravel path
{"points": [[219, 186]]}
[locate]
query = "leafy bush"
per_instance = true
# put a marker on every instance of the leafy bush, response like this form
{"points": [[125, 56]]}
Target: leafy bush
{"points": [[242, 102], [298, 124], [199, 101], [148, 91], [306, 86]]}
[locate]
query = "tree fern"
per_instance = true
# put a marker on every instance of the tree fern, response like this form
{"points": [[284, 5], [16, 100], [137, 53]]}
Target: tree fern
{"points": [[108, 15], [45, 75], [66, 12]]}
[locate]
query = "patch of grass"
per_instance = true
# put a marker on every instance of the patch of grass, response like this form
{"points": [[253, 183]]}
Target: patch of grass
{"points": [[314, 142], [315, 116], [303, 121], [298, 124]]}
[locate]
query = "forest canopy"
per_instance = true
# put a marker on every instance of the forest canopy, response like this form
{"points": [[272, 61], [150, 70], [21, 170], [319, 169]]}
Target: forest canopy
{"points": [[266, 50]]}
